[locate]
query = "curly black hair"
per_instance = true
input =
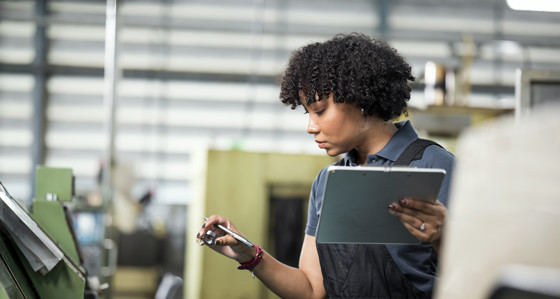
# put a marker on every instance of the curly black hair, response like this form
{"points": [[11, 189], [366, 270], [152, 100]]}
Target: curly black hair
{"points": [[353, 67]]}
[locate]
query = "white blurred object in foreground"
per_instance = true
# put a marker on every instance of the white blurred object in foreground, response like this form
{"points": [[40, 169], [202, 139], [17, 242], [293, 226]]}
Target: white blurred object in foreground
{"points": [[504, 209]]}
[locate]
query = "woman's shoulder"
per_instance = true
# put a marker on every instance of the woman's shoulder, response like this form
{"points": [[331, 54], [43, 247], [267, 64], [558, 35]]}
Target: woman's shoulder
{"points": [[437, 156], [438, 151], [322, 175]]}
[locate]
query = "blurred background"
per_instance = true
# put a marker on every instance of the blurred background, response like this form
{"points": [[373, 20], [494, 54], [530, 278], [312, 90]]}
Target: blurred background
{"points": [[127, 94]]}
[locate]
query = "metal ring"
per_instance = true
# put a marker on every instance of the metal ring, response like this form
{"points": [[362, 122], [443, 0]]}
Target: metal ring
{"points": [[209, 237], [422, 227]]}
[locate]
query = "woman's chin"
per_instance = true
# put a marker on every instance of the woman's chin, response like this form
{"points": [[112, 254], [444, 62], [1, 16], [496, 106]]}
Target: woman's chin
{"points": [[332, 153]]}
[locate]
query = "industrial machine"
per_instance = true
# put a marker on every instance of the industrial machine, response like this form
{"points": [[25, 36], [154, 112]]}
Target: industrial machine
{"points": [[40, 254]]}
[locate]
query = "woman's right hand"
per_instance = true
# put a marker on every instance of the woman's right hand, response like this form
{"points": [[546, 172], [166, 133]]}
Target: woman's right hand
{"points": [[225, 243]]}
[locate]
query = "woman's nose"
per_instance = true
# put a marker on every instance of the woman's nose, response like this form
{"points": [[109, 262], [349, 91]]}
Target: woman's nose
{"points": [[312, 127]]}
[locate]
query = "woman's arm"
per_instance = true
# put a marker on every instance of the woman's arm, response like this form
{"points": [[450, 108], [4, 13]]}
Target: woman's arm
{"points": [[289, 282], [286, 281]]}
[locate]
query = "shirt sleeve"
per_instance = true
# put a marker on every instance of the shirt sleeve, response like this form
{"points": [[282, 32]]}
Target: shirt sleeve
{"points": [[315, 202]]}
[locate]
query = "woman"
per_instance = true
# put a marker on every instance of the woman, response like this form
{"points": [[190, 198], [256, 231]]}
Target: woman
{"points": [[352, 87]]}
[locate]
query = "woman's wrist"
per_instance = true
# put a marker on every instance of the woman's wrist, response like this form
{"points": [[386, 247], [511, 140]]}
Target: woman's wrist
{"points": [[255, 260], [248, 256]]}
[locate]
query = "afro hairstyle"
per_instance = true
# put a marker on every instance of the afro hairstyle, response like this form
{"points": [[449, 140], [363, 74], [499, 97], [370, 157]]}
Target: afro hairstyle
{"points": [[356, 69]]}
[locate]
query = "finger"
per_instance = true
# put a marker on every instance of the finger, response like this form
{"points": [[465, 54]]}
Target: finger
{"points": [[422, 236], [405, 210], [206, 235], [418, 204], [406, 217], [226, 223], [408, 211], [435, 219], [430, 233], [209, 224], [226, 240], [215, 220], [436, 209], [199, 236]]}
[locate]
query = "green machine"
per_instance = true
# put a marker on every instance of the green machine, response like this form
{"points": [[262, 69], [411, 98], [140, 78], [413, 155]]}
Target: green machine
{"points": [[40, 257]]}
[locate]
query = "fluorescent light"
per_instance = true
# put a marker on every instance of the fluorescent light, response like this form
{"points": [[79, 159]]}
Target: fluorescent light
{"points": [[535, 5]]}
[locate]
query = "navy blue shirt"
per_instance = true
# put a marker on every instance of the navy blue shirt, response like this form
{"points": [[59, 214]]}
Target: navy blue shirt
{"points": [[416, 262]]}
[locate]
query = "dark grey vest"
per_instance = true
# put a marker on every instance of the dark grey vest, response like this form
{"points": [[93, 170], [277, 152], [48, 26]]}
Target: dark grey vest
{"points": [[365, 270]]}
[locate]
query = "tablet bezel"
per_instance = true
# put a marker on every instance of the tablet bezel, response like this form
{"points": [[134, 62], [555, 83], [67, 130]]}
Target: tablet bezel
{"points": [[356, 199]]}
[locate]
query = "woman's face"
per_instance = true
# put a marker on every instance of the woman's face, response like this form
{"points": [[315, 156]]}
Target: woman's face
{"points": [[337, 127]]}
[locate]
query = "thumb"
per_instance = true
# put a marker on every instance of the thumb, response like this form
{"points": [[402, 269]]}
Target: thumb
{"points": [[226, 240]]}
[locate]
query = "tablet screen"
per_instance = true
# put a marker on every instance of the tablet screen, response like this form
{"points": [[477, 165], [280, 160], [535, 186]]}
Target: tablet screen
{"points": [[356, 199]]}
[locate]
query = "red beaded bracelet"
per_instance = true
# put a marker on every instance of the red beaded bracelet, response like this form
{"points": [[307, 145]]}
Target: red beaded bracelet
{"points": [[250, 265]]}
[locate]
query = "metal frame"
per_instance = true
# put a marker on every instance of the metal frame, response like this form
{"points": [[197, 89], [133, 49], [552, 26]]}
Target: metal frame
{"points": [[523, 80], [39, 69]]}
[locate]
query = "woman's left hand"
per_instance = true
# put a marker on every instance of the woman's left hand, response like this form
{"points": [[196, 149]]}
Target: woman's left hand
{"points": [[423, 219]]}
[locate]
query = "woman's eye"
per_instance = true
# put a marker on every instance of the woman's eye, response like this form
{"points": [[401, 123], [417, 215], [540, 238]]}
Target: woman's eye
{"points": [[319, 112]]}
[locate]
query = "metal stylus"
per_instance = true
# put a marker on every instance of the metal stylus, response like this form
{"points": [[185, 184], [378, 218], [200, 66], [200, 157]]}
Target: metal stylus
{"points": [[234, 234]]}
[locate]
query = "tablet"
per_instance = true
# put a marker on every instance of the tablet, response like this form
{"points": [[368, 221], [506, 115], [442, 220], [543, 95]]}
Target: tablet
{"points": [[356, 202]]}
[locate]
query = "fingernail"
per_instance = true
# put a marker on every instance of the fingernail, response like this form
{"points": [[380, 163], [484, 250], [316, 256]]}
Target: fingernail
{"points": [[200, 242], [203, 225], [403, 202], [391, 207], [197, 235]]}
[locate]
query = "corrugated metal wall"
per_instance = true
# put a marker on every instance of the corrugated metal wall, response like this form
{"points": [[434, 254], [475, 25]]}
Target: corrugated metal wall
{"points": [[203, 74]]}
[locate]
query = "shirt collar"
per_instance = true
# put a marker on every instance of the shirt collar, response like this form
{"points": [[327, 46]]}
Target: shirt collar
{"points": [[393, 149]]}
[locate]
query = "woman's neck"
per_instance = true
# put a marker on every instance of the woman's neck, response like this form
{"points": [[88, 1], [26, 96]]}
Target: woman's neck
{"points": [[379, 135]]}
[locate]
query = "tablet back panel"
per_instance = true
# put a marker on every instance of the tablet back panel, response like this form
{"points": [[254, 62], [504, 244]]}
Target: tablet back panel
{"points": [[356, 200]]}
